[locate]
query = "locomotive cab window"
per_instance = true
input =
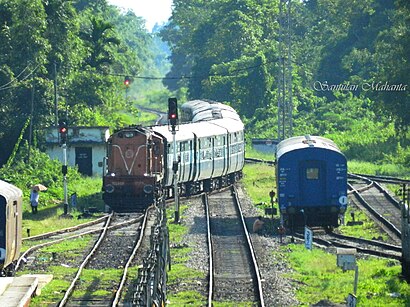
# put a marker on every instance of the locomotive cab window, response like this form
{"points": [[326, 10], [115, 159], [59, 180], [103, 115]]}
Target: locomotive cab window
{"points": [[312, 173], [128, 134]]}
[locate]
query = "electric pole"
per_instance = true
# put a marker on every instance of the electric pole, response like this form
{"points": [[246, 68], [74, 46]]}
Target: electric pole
{"points": [[285, 104]]}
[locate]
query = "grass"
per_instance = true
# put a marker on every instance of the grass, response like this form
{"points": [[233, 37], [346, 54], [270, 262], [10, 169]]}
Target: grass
{"points": [[103, 278], [387, 169], [259, 180], [252, 153], [316, 273], [368, 230], [42, 223], [50, 210], [181, 276], [54, 291], [319, 278]]}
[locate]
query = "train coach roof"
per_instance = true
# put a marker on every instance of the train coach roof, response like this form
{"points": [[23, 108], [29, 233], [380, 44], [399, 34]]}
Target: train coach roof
{"points": [[301, 142], [232, 125], [9, 191], [187, 131], [181, 134], [202, 110]]}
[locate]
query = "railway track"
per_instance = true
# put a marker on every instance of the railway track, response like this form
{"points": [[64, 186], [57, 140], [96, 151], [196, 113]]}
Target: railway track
{"points": [[117, 238], [234, 273], [114, 249], [368, 247], [43, 240], [379, 205]]}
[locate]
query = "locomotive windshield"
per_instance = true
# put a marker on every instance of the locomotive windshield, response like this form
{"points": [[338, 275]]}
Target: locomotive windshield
{"points": [[312, 173]]}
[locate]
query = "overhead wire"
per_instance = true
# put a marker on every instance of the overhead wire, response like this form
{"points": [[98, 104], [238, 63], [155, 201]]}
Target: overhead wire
{"points": [[15, 78], [5, 87], [230, 74], [182, 77]]}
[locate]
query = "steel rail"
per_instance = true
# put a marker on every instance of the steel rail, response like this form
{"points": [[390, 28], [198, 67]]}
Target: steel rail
{"points": [[65, 230], [210, 250], [118, 293], [38, 246], [70, 289], [251, 249]]}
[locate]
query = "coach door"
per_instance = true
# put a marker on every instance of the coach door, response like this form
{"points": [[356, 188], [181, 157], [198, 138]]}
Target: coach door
{"points": [[83, 158], [3, 229], [312, 183]]}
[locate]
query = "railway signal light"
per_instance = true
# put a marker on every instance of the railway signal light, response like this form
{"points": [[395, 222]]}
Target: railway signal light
{"points": [[127, 81], [173, 111], [63, 130]]}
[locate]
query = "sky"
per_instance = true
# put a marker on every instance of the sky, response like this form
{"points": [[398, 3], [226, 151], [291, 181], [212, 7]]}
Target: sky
{"points": [[153, 11]]}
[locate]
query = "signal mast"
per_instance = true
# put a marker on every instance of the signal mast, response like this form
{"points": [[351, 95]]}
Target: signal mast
{"points": [[173, 122]]}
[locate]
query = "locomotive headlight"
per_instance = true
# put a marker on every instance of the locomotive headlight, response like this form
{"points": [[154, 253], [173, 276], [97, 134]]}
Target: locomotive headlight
{"points": [[148, 189], [109, 188]]}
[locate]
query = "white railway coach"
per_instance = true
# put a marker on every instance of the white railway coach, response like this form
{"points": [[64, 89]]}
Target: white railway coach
{"points": [[10, 226], [210, 153]]}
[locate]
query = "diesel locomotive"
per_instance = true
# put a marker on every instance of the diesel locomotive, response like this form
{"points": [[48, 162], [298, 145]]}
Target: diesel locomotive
{"points": [[11, 199], [140, 166], [311, 181]]}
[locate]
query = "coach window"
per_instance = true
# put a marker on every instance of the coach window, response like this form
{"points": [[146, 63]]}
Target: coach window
{"points": [[312, 173]]}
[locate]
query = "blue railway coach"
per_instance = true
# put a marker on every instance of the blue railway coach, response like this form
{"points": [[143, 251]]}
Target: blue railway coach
{"points": [[311, 181]]}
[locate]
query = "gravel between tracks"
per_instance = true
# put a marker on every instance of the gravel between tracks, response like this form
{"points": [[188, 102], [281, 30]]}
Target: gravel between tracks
{"points": [[278, 290]]}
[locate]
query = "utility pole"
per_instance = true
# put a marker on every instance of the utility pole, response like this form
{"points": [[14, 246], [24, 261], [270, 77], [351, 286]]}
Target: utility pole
{"points": [[55, 94], [173, 122], [30, 136], [285, 103]]}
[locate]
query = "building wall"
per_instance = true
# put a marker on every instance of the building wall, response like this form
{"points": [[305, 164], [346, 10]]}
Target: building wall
{"points": [[79, 137], [98, 154], [265, 145]]}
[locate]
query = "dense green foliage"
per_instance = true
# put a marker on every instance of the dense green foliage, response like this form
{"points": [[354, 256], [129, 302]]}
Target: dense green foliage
{"points": [[29, 167], [350, 67], [85, 48], [230, 52]]}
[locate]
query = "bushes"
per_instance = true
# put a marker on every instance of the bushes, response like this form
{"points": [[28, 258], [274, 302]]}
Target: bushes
{"points": [[41, 169]]}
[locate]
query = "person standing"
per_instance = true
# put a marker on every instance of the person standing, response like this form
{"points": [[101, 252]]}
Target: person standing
{"points": [[258, 225], [34, 197]]}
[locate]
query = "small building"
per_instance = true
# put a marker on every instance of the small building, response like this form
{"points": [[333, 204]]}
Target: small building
{"points": [[265, 145], [86, 148]]}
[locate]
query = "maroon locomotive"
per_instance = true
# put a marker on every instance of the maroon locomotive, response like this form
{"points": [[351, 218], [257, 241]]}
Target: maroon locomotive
{"points": [[134, 169]]}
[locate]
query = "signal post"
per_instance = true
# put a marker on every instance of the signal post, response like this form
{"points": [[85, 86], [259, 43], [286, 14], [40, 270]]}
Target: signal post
{"points": [[173, 122], [63, 131]]}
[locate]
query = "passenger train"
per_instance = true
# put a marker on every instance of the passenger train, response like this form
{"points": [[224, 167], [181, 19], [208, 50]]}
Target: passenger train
{"points": [[311, 181], [140, 166], [11, 200]]}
